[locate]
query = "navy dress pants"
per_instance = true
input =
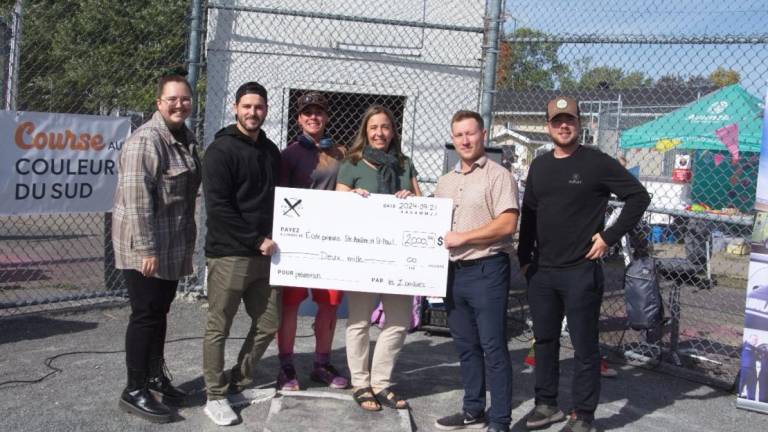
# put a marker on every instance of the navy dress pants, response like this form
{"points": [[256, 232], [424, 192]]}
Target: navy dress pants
{"points": [[477, 317]]}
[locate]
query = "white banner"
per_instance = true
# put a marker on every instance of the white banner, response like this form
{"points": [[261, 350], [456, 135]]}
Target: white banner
{"points": [[340, 240], [752, 389], [59, 163]]}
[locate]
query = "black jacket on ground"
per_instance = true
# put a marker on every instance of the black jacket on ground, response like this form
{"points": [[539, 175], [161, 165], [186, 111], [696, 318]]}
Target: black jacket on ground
{"points": [[564, 206], [239, 178]]}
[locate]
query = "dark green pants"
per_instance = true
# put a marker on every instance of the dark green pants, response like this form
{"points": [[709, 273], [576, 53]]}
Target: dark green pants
{"points": [[230, 280]]}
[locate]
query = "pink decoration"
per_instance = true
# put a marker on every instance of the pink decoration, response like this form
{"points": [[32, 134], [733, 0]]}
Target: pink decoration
{"points": [[718, 158], [729, 135]]}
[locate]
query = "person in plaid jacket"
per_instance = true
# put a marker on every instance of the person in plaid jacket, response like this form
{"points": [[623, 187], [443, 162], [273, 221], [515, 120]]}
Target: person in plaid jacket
{"points": [[153, 234]]}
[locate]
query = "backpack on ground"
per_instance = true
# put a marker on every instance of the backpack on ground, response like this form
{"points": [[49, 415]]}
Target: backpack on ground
{"points": [[642, 296], [645, 308]]}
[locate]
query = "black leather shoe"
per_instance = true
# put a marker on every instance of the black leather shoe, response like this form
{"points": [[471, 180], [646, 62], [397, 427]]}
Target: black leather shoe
{"points": [[160, 382], [136, 399]]}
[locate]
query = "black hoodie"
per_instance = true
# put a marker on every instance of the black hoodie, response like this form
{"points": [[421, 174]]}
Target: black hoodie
{"points": [[239, 178]]}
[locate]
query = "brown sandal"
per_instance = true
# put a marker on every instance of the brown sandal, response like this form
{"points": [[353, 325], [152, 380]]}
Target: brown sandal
{"points": [[360, 398], [389, 399]]}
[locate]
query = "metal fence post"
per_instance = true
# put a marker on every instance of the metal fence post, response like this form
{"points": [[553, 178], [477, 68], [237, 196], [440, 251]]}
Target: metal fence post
{"points": [[193, 58], [491, 48], [14, 60], [113, 280]]}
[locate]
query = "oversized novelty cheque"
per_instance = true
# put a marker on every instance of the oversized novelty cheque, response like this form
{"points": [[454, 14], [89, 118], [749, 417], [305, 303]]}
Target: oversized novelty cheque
{"points": [[343, 241]]}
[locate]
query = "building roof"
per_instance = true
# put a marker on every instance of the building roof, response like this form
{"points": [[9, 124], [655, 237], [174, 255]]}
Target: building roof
{"points": [[535, 101], [526, 137]]}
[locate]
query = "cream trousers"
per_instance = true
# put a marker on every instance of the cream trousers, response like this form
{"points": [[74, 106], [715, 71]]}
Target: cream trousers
{"points": [[389, 343]]}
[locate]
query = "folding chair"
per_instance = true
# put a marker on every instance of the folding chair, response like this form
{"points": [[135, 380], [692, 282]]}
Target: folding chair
{"points": [[693, 270]]}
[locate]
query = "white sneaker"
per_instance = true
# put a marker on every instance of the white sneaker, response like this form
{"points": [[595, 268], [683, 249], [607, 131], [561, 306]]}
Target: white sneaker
{"points": [[220, 412], [250, 396]]}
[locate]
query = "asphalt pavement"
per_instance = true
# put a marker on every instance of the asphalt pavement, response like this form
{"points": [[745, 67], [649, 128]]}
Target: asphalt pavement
{"points": [[84, 352]]}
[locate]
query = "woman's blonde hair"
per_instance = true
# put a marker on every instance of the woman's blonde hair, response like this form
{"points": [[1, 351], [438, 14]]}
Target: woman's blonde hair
{"points": [[361, 137]]}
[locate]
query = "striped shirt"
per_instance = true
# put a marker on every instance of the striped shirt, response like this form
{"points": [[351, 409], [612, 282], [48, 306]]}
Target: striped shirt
{"points": [[154, 212]]}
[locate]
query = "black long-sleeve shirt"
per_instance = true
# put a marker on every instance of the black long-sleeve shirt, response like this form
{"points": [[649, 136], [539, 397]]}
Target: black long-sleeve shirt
{"points": [[564, 206], [239, 178]]}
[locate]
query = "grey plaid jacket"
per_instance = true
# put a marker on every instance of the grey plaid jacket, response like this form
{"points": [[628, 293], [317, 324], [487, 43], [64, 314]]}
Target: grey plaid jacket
{"points": [[154, 212]]}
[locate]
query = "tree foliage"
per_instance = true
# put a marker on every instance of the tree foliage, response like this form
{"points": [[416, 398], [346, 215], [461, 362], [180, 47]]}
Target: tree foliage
{"points": [[528, 65], [722, 77], [698, 81], [528, 60], [605, 77], [93, 56], [670, 81], [679, 81]]}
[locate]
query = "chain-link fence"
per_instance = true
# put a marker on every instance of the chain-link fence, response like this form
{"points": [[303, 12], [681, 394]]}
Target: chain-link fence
{"points": [[644, 74], [80, 57], [421, 60], [661, 85]]}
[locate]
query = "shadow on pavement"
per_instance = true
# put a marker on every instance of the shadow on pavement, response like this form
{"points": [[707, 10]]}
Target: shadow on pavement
{"points": [[40, 327]]}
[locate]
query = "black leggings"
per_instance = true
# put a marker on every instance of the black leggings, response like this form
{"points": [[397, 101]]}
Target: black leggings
{"points": [[151, 300]]}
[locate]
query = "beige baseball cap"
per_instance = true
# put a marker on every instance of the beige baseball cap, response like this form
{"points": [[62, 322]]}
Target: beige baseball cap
{"points": [[562, 105]]}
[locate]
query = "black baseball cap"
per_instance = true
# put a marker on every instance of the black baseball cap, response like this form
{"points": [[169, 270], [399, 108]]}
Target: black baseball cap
{"points": [[251, 87]]}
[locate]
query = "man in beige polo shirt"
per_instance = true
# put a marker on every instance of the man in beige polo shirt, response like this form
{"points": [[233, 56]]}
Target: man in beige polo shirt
{"points": [[485, 212]]}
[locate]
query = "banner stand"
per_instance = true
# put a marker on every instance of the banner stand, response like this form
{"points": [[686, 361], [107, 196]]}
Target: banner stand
{"points": [[752, 386]]}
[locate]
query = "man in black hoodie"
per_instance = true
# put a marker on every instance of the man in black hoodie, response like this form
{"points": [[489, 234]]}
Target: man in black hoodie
{"points": [[240, 170]]}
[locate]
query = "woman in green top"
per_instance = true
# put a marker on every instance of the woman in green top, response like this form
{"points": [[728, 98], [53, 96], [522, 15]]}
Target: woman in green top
{"points": [[376, 164]]}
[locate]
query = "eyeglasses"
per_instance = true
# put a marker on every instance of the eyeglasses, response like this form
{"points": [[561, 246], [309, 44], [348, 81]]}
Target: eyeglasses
{"points": [[171, 100]]}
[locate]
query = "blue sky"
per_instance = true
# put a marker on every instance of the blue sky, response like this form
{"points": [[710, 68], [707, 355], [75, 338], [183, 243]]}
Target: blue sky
{"points": [[660, 19]]}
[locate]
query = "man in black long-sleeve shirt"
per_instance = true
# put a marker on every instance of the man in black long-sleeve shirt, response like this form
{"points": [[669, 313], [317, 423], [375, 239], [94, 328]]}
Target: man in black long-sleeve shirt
{"points": [[562, 239], [240, 170]]}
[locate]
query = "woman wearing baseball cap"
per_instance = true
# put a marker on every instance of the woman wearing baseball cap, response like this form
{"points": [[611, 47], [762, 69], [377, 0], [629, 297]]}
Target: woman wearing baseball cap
{"points": [[310, 161]]}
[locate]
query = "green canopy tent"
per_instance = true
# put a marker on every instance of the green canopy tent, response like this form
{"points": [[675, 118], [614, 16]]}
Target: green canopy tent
{"points": [[693, 126], [717, 180]]}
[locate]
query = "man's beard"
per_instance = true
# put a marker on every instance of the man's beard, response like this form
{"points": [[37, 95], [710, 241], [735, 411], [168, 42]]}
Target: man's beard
{"points": [[574, 141], [247, 128]]}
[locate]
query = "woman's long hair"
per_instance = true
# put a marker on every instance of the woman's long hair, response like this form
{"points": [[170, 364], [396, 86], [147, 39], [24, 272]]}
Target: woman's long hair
{"points": [[361, 137]]}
